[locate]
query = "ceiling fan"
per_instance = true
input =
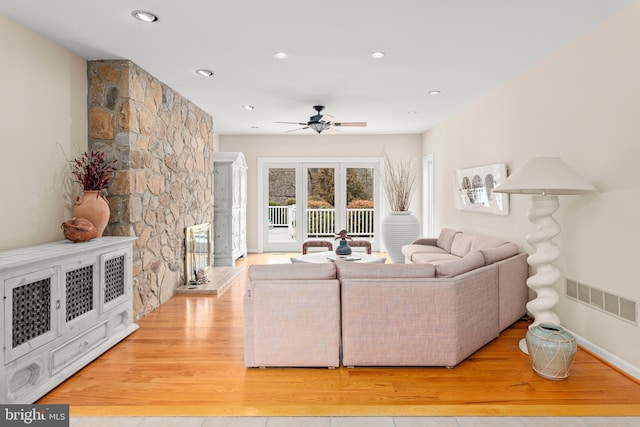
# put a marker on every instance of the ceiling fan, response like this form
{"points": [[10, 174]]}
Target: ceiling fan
{"points": [[321, 122]]}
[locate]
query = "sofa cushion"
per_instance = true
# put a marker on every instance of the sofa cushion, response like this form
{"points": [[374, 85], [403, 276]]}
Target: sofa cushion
{"points": [[469, 262], [352, 270], [461, 244], [499, 253], [432, 258], [321, 271], [436, 262], [484, 242], [445, 240], [412, 249], [409, 251]]}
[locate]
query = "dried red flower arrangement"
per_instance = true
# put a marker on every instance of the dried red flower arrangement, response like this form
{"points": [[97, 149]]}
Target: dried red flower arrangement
{"points": [[93, 171]]}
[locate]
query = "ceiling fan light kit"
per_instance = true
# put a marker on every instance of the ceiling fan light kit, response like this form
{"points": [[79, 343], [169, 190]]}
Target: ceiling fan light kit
{"points": [[318, 123], [319, 127]]}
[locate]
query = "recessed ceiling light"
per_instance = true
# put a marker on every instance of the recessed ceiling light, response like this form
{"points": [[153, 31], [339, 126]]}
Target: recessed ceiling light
{"points": [[434, 92], [248, 107], [204, 72], [412, 112], [281, 55], [255, 127], [144, 16], [377, 55]]}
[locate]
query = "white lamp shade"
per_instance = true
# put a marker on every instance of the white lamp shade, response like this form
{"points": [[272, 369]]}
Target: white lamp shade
{"points": [[545, 175]]}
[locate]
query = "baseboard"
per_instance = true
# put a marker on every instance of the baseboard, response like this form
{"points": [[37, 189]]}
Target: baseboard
{"points": [[609, 358]]}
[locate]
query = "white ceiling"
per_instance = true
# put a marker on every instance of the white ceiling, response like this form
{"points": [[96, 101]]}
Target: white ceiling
{"points": [[463, 48]]}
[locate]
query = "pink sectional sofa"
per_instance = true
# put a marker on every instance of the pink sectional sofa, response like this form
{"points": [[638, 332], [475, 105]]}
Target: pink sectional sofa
{"points": [[292, 316], [425, 314], [455, 252]]}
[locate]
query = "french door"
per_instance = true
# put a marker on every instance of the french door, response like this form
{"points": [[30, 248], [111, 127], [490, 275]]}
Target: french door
{"points": [[302, 199]]}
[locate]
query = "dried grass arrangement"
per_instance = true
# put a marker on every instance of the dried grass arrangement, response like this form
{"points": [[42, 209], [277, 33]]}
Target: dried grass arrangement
{"points": [[399, 182]]}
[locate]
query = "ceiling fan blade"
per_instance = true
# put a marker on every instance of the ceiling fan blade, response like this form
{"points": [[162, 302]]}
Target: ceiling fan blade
{"points": [[293, 130], [293, 123], [352, 124]]}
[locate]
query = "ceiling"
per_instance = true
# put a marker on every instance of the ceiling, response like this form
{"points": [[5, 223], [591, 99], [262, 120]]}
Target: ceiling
{"points": [[462, 48]]}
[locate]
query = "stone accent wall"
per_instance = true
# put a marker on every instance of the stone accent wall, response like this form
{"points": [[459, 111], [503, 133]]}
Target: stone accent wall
{"points": [[164, 183]]}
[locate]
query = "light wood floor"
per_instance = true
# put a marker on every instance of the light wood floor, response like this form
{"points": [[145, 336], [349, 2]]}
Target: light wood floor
{"points": [[187, 359]]}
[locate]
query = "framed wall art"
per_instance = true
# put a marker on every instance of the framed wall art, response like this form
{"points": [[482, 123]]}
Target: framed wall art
{"points": [[474, 189]]}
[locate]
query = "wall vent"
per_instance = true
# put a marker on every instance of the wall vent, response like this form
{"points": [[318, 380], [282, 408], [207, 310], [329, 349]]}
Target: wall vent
{"points": [[621, 307], [628, 310]]}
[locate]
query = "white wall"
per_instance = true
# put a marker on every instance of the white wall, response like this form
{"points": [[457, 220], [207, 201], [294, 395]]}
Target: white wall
{"points": [[342, 146], [44, 102], [581, 104]]}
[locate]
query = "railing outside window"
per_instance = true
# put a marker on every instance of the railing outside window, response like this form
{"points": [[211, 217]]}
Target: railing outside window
{"points": [[360, 222], [321, 222], [278, 216]]}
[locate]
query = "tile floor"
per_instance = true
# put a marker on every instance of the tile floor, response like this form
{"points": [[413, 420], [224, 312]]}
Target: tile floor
{"points": [[354, 421]]}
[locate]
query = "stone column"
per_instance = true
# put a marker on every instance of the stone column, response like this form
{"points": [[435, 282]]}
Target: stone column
{"points": [[164, 183]]}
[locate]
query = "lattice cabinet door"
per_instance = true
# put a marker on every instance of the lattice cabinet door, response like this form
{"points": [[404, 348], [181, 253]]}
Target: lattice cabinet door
{"points": [[80, 297], [115, 278], [31, 307]]}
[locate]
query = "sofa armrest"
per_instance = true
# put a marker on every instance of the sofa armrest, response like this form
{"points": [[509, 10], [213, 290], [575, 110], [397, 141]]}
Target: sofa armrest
{"points": [[431, 241], [418, 322], [292, 323], [498, 253]]}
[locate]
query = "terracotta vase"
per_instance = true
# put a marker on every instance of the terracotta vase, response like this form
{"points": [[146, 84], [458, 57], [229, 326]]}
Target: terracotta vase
{"points": [[94, 207]]}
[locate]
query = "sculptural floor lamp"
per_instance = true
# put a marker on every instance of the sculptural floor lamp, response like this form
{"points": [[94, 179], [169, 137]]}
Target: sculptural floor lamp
{"points": [[545, 178]]}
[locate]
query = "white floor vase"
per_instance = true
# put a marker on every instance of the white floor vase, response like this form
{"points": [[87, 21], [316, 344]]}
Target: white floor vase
{"points": [[399, 228]]}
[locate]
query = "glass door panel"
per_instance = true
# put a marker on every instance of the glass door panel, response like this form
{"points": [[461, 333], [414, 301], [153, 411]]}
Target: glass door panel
{"points": [[281, 228], [359, 209], [320, 212]]}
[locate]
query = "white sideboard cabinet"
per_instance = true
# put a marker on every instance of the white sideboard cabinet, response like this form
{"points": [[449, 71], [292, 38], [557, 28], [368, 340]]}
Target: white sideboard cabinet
{"points": [[63, 305], [229, 208]]}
